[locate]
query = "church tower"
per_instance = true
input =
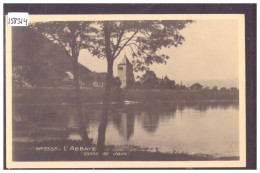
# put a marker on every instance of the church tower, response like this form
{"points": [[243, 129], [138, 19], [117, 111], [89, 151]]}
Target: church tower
{"points": [[125, 73]]}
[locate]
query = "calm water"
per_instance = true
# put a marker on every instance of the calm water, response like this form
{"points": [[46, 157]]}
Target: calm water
{"points": [[201, 128]]}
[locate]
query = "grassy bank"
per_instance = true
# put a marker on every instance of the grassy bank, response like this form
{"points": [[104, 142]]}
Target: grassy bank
{"points": [[89, 95]]}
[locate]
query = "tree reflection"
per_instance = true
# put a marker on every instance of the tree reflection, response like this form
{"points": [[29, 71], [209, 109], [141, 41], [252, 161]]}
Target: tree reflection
{"points": [[76, 126], [21, 116], [73, 128], [150, 121], [82, 127], [204, 106], [102, 132], [106, 106], [124, 122]]}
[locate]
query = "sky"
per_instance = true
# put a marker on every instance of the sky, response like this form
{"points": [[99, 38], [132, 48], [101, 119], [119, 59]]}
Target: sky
{"points": [[209, 52]]}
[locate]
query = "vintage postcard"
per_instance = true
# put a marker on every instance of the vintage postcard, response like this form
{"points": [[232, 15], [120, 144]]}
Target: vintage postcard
{"points": [[126, 91]]}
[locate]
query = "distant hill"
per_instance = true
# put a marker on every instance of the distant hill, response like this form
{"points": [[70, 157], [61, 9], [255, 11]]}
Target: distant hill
{"points": [[210, 83], [47, 61]]}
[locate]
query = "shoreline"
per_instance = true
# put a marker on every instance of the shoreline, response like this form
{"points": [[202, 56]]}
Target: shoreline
{"points": [[59, 96], [100, 103]]}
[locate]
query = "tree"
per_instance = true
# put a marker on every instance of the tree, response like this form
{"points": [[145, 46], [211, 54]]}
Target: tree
{"points": [[71, 37], [215, 88], [169, 84], [29, 48], [206, 88], [223, 89], [144, 38], [234, 89], [149, 80], [116, 83], [138, 85]]}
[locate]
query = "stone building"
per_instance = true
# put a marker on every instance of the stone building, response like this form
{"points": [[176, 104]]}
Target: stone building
{"points": [[125, 73]]}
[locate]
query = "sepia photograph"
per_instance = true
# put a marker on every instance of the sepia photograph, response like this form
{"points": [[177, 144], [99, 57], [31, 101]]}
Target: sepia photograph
{"points": [[113, 90]]}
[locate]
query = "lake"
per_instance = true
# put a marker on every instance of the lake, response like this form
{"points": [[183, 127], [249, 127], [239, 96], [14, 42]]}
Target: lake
{"points": [[205, 128]]}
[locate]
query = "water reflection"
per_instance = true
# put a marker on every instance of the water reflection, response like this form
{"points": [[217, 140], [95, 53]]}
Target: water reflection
{"points": [[72, 127], [21, 117], [185, 127], [150, 121], [124, 123]]}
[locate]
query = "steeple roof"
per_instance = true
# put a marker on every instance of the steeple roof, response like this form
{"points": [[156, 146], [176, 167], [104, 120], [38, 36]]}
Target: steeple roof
{"points": [[124, 61]]}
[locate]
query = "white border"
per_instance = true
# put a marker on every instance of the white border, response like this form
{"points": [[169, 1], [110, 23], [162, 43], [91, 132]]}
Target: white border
{"points": [[133, 164]]}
